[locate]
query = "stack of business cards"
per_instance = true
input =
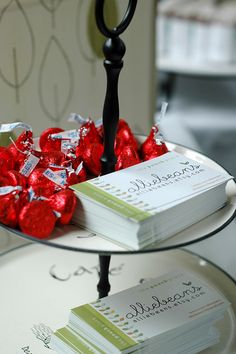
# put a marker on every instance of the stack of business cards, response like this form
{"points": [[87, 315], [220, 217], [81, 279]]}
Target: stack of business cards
{"points": [[151, 201], [173, 314]]}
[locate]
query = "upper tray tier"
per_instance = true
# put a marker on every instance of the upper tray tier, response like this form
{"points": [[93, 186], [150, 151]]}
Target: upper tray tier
{"points": [[77, 239]]}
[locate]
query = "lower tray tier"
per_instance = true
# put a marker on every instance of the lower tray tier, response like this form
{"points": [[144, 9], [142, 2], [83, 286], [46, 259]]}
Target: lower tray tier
{"points": [[39, 286]]}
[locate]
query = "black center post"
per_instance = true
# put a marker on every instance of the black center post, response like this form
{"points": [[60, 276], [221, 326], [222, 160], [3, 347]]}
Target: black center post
{"points": [[114, 50]]}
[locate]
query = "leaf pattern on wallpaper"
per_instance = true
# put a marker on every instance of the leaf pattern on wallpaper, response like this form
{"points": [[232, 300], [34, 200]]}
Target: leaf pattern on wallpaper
{"points": [[50, 5], [19, 50], [55, 80], [87, 31]]}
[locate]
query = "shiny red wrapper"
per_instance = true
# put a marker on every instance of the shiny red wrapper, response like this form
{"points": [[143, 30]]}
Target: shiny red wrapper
{"points": [[42, 186], [9, 210], [4, 181], [72, 178], [91, 157], [151, 148], [64, 202], [121, 124], [46, 143], [89, 133], [19, 158], [147, 146], [37, 219], [21, 147], [15, 178], [80, 150], [24, 198], [124, 137], [127, 157], [24, 142], [48, 158], [7, 161], [158, 150], [82, 175]]}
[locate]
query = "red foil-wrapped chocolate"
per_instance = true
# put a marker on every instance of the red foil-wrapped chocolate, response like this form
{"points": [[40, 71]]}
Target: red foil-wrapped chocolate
{"points": [[4, 181], [64, 203], [7, 161], [80, 171], [91, 158], [158, 150], [37, 219], [80, 150], [15, 178], [147, 146], [24, 198], [9, 209], [46, 143], [124, 137], [127, 157], [44, 191], [41, 185], [153, 146], [24, 142], [89, 133], [48, 158], [72, 178], [76, 175], [22, 147], [121, 125], [88, 136]]}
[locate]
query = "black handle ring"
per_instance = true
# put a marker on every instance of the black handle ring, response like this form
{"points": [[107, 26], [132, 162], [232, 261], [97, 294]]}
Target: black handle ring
{"points": [[111, 33]]}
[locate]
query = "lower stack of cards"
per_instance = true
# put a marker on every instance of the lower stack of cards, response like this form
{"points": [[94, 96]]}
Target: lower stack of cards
{"points": [[175, 314]]}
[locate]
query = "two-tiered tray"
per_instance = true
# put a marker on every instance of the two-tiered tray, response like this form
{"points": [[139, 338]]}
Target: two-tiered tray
{"points": [[40, 283]]}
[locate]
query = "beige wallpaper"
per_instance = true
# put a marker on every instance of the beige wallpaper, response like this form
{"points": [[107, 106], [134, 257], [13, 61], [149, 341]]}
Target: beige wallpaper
{"points": [[50, 64]]}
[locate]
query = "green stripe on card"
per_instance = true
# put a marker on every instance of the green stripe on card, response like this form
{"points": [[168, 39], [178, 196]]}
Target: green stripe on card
{"points": [[110, 201], [75, 342], [104, 327]]}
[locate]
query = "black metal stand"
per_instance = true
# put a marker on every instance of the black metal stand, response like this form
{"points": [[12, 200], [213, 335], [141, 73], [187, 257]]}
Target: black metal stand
{"points": [[114, 50], [103, 286]]}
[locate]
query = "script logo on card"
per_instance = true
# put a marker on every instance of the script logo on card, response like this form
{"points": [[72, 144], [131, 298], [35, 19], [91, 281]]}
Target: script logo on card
{"points": [[158, 305], [171, 177]]}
